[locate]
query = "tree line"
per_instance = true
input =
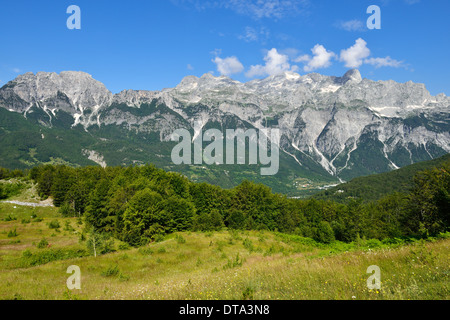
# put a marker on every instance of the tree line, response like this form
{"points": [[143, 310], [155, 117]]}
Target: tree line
{"points": [[136, 204]]}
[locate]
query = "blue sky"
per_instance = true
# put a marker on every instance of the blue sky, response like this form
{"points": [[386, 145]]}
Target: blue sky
{"points": [[151, 45]]}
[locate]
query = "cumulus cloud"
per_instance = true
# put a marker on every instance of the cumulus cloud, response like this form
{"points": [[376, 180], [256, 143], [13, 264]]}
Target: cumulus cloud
{"points": [[228, 66], [359, 53], [355, 55], [303, 58], [321, 58], [384, 62], [276, 63]]}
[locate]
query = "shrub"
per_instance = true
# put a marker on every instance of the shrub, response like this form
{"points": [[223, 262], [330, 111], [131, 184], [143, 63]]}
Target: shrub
{"points": [[10, 189], [54, 224], [248, 244], [12, 233], [9, 217], [146, 251], [247, 294], [123, 246], [161, 250], [112, 271], [48, 255], [373, 243], [26, 253], [444, 235], [42, 244], [180, 239], [123, 277], [234, 234], [237, 262], [68, 227], [159, 238]]}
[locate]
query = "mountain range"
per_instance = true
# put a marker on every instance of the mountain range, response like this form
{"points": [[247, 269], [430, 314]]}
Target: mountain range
{"points": [[332, 129]]}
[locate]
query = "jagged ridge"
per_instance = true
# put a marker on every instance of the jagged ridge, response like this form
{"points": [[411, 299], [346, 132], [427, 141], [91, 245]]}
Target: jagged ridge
{"points": [[348, 125]]}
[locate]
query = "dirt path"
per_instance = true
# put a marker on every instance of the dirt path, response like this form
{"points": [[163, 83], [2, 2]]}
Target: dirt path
{"points": [[30, 204]]}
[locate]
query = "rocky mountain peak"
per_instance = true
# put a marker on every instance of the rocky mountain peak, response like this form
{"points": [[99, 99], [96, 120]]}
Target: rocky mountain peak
{"points": [[325, 121], [71, 91], [353, 76]]}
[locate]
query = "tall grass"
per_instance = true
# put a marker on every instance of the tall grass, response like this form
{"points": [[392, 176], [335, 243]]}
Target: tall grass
{"points": [[216, 265]]}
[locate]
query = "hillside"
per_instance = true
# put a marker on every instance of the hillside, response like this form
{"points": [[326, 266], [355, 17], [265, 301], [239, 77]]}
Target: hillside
{"points": [[159, 236], [331, 128], [25, 143], [376, 186], [229, 265]]}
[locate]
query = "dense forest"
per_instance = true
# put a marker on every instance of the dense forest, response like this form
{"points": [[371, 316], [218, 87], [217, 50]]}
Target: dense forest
{"points": [[137, 204], [376, 186]]}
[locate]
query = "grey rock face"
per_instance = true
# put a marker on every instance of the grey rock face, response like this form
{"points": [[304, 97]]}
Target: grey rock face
{"points": [[76, 93], [333, 121]]}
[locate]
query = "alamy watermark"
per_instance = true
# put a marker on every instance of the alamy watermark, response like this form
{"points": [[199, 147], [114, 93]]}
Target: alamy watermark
{"points": [[234, 142], [74, 281], [374, 281], [374, 21], [74, 20]]}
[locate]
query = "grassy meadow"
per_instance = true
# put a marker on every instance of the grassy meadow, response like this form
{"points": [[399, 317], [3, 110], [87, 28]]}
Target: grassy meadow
{"points": [[37, 246]]}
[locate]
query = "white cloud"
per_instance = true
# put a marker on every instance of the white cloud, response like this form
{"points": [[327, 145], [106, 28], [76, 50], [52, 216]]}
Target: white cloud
{"points": [[190, 67], [266, 8], [252, 35], [16, 70], [292, 53], [384, 62], [257, 9], [355, 55], [412, 1], [216, 52], [276, 63], [303, 58], [351, 25], [321, 58], [228, 66], [249, 35]]}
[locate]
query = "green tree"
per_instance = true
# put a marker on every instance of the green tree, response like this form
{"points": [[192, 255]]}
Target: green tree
{"points": [[97, 214], [324, 232], [143, 211], [99, 243], [177, 214], [429, 202]]}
